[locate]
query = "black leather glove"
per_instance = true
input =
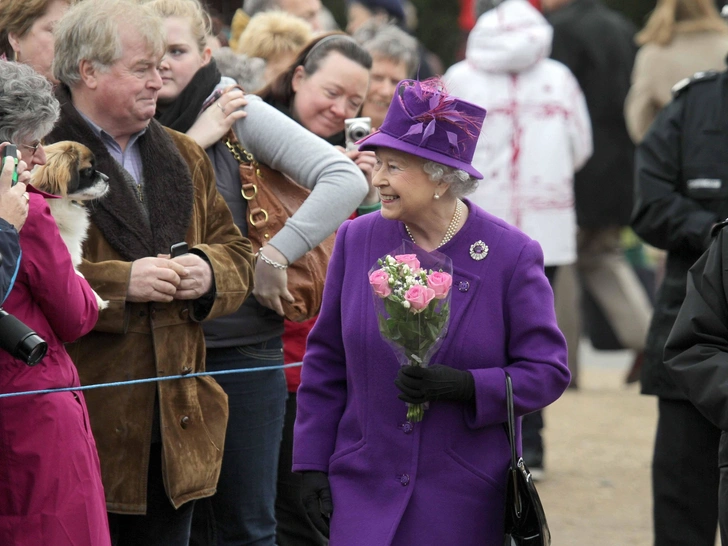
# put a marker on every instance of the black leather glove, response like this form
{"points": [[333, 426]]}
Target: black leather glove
{"points": [[436, 382], [316, 498]]}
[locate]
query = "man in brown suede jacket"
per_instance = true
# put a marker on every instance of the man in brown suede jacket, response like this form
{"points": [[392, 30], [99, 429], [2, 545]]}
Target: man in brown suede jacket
{"points": [[160, 444]]}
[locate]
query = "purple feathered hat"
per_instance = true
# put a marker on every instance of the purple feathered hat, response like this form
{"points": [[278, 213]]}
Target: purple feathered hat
{"points": [[425, 121]]}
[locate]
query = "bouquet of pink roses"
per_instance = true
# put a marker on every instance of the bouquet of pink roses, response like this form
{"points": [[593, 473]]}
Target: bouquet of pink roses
{"points": [[412, 295]]}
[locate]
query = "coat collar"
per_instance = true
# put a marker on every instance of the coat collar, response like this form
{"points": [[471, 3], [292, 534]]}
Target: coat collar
{"points": [[120, 216]]}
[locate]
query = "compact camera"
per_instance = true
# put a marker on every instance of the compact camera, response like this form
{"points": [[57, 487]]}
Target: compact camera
{"points": [[355, 129]]}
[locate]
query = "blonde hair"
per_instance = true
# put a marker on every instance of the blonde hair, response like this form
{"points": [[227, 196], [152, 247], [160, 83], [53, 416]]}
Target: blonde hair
{"points": [[272, 33], [671, 16], [192, 11], [91, 30], [17, 17]]}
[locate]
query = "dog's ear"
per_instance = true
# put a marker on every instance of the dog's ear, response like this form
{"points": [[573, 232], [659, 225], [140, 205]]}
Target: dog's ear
{"points": [[61, 169]]}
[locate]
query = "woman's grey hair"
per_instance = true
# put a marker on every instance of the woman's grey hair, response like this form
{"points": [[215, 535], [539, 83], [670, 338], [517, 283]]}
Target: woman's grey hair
{"points": [[28, 109], [91, 30], [389, 41], [247, 71], [461, 183]]}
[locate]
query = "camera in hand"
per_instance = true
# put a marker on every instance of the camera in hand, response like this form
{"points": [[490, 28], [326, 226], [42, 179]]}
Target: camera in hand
{"points": [[355, 129], [20, 341]]}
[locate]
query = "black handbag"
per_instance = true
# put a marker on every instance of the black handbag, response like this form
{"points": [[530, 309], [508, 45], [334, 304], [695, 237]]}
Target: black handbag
{"points": [[525, 521]]}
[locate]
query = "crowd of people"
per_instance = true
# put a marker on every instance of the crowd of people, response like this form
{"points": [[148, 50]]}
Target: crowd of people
{"points": [[564, 142]]}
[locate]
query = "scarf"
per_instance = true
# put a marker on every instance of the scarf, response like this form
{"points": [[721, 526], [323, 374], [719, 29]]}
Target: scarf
{"points": [[182, 112], [119, 216]]}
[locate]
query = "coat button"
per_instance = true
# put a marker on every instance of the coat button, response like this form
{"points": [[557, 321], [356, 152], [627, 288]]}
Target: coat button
{"points": [[184, 314], [404, 479], [184, 422], [407, 427], [463, 286]]}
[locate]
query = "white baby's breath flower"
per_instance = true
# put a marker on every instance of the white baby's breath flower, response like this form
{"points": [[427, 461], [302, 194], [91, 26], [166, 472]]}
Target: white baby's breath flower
{"points": [[406, 304]]}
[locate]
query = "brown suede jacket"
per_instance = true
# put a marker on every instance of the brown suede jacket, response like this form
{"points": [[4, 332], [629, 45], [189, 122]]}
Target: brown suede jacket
{"points": [[142, 340]]}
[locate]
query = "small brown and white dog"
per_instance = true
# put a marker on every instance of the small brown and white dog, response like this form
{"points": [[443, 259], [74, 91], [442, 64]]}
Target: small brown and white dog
{"points": [[70, 173]]}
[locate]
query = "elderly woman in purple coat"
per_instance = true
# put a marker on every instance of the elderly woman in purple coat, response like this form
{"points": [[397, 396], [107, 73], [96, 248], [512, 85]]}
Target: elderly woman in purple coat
{"points": [[380, 478]]}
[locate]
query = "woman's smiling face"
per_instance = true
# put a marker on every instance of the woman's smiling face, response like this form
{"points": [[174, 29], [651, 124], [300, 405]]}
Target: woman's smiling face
{"points": [[335, 92], [405, 189]]}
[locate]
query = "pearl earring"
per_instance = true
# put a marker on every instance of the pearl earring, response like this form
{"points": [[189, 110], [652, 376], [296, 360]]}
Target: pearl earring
{"points": [[437, 196]]}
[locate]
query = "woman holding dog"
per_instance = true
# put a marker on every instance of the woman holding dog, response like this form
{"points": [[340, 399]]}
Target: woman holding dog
{"points": [[243, 507], [50, 478]]}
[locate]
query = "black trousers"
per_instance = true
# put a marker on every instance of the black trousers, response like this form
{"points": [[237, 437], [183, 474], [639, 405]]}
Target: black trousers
{"points": [[723, 488], [685, 476], [162, 525], [294, 527]]}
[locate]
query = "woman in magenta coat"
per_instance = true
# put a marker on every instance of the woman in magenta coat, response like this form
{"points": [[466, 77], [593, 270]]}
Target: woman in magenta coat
{"points": [[384, 480], [50, 478]]}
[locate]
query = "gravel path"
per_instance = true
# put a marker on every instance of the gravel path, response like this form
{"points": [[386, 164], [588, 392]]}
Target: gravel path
{"points": [[598, 454]]}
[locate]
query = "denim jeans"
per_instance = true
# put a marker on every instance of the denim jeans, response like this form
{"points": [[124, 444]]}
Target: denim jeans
{"points": [[162, 525], [242, 512]]}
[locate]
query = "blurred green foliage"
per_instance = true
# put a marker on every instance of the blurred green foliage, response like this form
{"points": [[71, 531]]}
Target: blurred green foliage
{"points": [[438, 25]]}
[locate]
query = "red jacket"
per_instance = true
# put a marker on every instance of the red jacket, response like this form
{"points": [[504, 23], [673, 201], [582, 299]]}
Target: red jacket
{"points": [[50, 478]]}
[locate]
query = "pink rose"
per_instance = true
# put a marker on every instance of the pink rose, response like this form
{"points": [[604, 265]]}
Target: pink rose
{"points": [[419, 296], [409, 259], [380, 283], [440, 283]]}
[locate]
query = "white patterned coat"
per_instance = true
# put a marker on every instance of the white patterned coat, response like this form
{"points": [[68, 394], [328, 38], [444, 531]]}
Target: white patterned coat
{"points": [[536, 133]]}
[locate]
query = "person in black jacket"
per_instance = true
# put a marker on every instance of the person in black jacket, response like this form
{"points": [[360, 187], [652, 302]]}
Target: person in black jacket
{"points": [[681, 192], [597, 44], [696, 353]]}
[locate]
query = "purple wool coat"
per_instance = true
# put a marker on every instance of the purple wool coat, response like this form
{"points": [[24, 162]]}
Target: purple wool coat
{"points": [[50, 478], [441, 481]]}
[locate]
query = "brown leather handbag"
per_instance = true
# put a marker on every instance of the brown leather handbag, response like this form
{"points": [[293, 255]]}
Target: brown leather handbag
{"points": [[273, 198]]}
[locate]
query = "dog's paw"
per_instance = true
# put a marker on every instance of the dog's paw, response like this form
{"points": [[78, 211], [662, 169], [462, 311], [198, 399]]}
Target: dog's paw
{"points": [[102, 303]]}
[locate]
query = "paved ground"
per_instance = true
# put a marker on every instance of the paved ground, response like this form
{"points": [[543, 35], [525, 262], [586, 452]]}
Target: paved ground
{"points": [[598, 452]]}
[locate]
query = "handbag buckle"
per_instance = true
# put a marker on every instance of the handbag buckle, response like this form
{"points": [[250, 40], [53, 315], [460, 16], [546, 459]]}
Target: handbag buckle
{"points": [[250, 196], [258, 212]]}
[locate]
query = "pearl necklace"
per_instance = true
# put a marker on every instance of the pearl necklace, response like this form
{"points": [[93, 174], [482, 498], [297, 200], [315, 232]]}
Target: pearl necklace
{"points": [[451, 229]]}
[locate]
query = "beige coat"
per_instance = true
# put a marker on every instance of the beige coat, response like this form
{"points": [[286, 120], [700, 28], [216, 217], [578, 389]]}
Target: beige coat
{"points": [[657, 68]]}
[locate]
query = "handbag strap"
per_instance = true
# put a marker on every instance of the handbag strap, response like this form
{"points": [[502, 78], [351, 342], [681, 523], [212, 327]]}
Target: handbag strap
{"points": [[511, 431], [511, 421], [243, 156], [250, 179]]}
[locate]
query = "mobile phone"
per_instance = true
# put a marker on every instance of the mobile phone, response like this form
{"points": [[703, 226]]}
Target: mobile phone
{"points": [[12, 151], [178, 249]]}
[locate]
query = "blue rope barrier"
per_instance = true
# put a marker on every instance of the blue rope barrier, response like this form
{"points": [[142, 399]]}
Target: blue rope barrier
{"points": [[150, 380]]}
